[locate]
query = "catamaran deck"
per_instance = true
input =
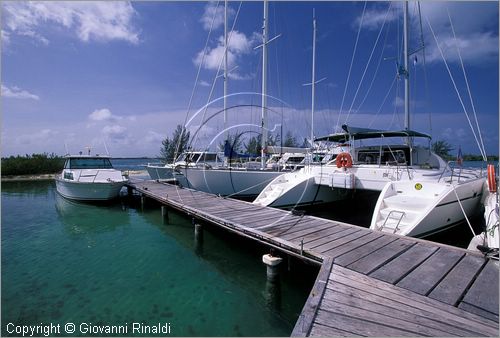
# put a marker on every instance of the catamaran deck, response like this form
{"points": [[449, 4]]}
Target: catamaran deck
{"points": [[370, 283]]}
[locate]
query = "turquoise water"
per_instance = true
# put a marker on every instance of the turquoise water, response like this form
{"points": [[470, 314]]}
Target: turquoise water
{"points": [[66, 262]]}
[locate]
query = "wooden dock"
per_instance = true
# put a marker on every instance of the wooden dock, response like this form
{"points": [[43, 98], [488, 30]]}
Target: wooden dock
{"points": [[370, 283]]}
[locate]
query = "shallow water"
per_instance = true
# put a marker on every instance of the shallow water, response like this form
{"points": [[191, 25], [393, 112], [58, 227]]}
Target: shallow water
{"points": [[66, 262]]}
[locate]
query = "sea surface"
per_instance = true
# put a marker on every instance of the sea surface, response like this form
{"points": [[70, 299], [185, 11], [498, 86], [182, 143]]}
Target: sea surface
{"points": [[116, 264]]}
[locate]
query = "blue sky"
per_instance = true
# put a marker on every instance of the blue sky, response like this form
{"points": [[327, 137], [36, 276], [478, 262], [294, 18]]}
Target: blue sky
{"points": [[82, 73]]}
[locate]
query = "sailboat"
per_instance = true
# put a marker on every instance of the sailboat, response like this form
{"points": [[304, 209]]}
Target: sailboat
{"points": [[421, 194], [246, 181]]}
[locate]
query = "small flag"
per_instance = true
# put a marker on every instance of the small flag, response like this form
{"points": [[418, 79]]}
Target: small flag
{"points": [[460, 159]]}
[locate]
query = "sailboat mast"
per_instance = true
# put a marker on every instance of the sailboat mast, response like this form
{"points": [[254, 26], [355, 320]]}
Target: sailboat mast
{"points": [[225, 67], [264, 87], [313, 82], [406, 72]]}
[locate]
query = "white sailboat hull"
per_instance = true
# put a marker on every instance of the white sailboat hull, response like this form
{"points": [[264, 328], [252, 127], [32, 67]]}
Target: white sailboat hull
{"points": [[227, 182]]}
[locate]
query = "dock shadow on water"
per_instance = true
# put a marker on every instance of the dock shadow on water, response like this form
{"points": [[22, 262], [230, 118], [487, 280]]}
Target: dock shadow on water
{"points": [[118, 264], [358, 210]]}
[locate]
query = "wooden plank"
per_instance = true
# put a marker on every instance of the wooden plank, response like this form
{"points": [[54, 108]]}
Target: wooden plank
{"points": [[478, 311], [301, 224], [311, 233], [366, 249], [486, 281], [325, 239], [395, 270], [361, 296], [451, 289], [352, 323], [320, 330], [304, 323], [427, 275], [353, 245], [403, 296], [341, 241]]}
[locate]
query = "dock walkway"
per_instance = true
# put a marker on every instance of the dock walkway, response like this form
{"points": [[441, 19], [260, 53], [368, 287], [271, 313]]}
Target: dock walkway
{"points": [[370, 283]]}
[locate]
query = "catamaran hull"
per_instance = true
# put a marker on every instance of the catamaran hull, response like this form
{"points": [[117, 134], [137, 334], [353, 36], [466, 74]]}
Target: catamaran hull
{"points": [[227, 182], [88, 191]]}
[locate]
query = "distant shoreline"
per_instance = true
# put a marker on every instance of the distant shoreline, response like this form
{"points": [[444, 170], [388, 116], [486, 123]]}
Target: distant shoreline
{"points": [[41, 177], [49, 177]]}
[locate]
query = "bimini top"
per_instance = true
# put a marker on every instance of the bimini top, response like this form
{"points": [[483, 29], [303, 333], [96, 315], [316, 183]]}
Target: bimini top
{"points": [[365, 133]]}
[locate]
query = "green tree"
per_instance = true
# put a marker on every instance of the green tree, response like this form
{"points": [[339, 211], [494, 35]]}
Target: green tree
{"points": [[290, 140], [253, 146], [442, 148], [173, 147], [235, 141]]}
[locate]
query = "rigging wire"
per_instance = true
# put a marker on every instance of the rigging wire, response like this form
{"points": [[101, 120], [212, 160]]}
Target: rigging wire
{"points": [[383, 102], [426, 80], [456, 89], [468, 89], [376, 72], [220, 64], [368, 63], [196, 80], [350, 67]]}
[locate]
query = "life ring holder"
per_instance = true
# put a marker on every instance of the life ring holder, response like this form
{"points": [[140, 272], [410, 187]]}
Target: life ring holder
{"points": [[492, 183], [343, 160]]}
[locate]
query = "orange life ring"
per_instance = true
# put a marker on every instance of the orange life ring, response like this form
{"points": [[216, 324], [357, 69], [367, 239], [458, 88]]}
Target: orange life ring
{"points": [[492, 183], [344, 160]]}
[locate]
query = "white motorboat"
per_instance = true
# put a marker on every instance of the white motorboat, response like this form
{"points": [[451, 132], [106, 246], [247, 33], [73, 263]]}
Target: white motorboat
{"points": [[90, 178], [160, 171]]}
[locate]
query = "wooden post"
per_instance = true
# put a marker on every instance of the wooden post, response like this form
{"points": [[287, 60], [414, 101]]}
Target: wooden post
{"points": [[272, 263], [198, 239], [143, 202], [164, 214]]}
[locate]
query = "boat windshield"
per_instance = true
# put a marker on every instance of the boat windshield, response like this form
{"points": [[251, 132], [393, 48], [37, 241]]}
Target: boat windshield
{"points": [[88, 163]]}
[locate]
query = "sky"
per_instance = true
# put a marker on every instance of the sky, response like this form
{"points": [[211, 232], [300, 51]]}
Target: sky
{"points": [[125, 74]]}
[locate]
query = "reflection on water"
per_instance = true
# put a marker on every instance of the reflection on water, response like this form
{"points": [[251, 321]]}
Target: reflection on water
{"points": [[77, 216], [64, 261]]}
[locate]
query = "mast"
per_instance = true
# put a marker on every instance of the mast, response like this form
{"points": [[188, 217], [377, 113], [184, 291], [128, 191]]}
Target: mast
{"points": [[406, 72], [264, 87], [313, 82], [225, 68]]}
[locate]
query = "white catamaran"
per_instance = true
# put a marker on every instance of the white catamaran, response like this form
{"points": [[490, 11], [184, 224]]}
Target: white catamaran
{"points": [[420, 193]]}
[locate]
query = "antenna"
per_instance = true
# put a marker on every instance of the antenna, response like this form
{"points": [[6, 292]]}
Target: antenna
{"points": [[66, 148], [106, 147]]}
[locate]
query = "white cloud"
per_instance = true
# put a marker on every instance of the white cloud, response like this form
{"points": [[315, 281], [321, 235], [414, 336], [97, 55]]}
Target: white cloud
{"points": [[473, 23], [238, 46], [93, 20], [375, 17], [211, 9], [103, 114], [18, 93], [115, 132], [204, 83], [5, 38], [37, 137]]}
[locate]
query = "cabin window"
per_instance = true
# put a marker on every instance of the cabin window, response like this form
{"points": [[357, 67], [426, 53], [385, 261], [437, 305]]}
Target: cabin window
{"points": [[210, 157], [90, 163], [194, 158]]}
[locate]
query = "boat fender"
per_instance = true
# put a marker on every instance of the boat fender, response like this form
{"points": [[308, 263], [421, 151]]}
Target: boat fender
{"points": [[344, 160], [492, 183]]}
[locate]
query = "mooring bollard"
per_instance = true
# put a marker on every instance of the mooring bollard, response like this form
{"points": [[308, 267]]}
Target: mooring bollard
{"points": [[164, 214], [272, 263]]}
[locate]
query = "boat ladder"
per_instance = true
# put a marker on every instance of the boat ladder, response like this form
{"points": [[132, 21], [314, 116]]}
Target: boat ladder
{"points": [[395, 217]]}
